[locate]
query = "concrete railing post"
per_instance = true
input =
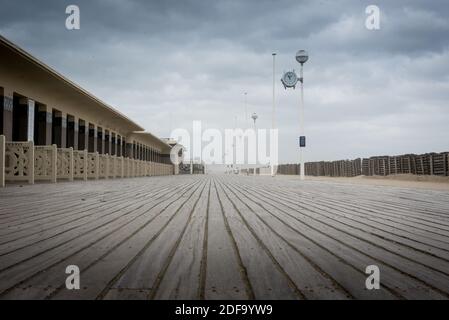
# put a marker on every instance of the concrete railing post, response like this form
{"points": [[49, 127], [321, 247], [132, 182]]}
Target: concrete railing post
{"points": [[54, 163], [31, 163], [85, 166], [106, 167], [112, 167], [72, 165], [97, 166]]}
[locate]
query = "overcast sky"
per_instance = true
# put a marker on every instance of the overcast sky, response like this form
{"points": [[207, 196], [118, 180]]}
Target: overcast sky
{"points": [[167, 63]]}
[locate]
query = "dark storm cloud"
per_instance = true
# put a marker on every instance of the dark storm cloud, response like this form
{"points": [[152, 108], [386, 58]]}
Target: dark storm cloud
{"points": [[382, 91]]}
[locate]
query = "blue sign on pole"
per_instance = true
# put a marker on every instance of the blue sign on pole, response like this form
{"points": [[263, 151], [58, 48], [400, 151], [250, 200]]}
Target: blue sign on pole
{"points": [[302, 141]]}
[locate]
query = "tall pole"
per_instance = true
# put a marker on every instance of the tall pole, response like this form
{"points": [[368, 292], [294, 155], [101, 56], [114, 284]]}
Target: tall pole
{"points": [[301, 123], [234, 148], [255, 131], [246, 124], [273, 120], [254, 117], [246, 110]]}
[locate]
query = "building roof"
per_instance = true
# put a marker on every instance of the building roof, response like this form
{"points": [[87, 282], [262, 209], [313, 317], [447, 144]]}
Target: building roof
{"points": [[72, 85], [152, 137]]}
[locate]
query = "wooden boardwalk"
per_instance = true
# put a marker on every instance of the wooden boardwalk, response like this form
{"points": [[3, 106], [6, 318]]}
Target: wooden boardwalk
{"points": [[222, 237]]}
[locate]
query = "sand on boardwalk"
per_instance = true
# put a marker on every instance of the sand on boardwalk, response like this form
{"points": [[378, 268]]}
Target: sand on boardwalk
{"points": [[399, 180]]}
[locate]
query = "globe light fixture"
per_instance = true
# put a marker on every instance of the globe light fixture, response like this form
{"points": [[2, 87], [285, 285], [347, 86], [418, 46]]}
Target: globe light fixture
{"points": [[302, 56], [254, 117]]}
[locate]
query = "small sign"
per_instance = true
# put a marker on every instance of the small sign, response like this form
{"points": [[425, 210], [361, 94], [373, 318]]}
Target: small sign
{"points": [[302, 142]]}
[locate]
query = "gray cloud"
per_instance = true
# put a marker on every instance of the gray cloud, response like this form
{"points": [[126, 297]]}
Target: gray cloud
{"points": [[166, 63]]}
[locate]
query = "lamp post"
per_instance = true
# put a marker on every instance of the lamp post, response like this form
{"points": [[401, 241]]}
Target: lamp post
{"points": [[254, 117], [302, 57], [246, 109], [234, 148], [246, 124], [273, 120]]}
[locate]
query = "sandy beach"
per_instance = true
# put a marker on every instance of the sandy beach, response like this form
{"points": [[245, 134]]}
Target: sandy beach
{"points": [[400, 180]]}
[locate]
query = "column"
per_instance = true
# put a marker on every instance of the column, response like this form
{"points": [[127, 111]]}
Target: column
{"points": [[86, 135], [30, 127], [7, 103], [63, 129], [76, 133]]}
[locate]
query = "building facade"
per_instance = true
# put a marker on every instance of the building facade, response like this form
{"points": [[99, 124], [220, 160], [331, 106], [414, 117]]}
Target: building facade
{"points": [[40, 106]]}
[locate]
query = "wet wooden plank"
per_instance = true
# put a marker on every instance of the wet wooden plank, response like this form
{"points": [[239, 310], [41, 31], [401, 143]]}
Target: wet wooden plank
{"points": [[54, 277], [103, 275], [309, 279], [267, 278], [222, 237], [180, 277], [225, 276]]}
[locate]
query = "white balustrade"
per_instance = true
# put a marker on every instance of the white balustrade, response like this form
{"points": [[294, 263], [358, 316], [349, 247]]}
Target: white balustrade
{"points": [[19, 161], [65, 164], [22, 161], [93, 164], [103, 166], [80, 164], [45, 163]]}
